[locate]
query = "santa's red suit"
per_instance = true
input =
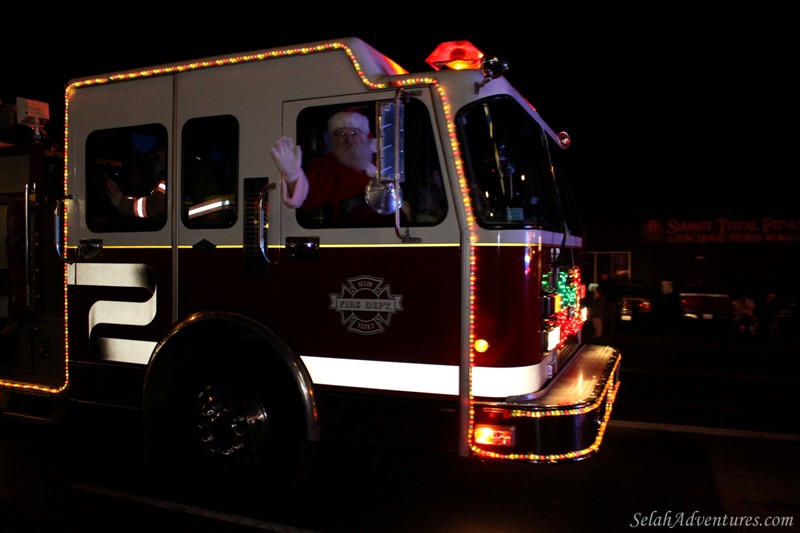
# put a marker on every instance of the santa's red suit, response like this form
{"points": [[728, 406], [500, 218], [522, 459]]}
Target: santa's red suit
{"points": [[339, 190]]}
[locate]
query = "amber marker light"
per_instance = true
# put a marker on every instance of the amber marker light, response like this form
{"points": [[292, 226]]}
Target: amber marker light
{"points": [[481, 345], [456, 55], [494, 435]]}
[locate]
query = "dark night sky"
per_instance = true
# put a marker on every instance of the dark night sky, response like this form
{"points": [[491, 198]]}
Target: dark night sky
{"points": [[674, 112]]}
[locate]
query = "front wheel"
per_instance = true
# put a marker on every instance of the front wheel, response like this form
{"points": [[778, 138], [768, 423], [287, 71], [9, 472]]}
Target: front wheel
{"points": [[244, 422], [230, 424]]}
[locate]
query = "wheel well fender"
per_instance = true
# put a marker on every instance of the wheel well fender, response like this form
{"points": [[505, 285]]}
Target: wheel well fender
{"points": [[224, 340]]}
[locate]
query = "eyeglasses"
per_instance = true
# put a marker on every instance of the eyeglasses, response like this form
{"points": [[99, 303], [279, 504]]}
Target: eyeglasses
{"points": [[345, 133]]}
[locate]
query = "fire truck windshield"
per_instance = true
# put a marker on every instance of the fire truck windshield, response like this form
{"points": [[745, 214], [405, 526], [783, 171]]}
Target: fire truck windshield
{"points": [[508, 166]]}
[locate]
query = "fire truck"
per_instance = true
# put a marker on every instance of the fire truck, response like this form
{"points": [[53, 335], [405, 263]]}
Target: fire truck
{"points": [[246, 332]]}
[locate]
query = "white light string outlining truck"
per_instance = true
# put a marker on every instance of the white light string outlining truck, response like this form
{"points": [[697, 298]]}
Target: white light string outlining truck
{"points": [[245, 331]]}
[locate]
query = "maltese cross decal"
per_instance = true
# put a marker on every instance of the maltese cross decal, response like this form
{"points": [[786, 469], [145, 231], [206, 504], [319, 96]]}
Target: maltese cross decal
{"points": [[366, 305]]}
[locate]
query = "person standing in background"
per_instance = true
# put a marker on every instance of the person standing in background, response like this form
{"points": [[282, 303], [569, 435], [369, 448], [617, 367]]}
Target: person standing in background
{"points": [[597, 312], [608, 288], [771, 312]]}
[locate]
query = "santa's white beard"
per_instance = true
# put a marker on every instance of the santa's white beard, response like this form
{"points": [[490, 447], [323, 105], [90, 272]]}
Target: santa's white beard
{"points": [[356, 157]]}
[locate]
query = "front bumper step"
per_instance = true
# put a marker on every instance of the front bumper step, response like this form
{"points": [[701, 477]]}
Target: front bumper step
{"points": [[566, 423]]}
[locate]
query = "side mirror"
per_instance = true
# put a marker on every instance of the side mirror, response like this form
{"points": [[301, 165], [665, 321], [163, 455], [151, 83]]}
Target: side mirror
{"points": [[383, 197], [383, 194]]}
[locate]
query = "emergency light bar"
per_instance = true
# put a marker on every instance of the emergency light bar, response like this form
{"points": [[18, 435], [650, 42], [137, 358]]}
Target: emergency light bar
{"points": [[462, 55], [456, 55]]}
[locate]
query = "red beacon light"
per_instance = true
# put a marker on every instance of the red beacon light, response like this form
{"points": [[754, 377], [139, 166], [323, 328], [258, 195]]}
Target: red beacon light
{"points": [[456, 55], [462, 55]]}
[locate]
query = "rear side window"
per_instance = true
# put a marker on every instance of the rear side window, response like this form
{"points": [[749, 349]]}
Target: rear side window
{"points": [[126, 177], [209, 171]]}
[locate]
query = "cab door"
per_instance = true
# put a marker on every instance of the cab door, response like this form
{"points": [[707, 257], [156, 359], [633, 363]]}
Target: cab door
{"points": [[384, 287]]}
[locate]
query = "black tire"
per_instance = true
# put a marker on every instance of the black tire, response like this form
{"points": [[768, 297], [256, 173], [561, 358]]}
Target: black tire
{"points": [[243, 423]]}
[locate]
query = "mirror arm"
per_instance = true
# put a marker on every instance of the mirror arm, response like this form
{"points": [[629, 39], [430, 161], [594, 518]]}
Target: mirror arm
{"points": [[399, 97]]}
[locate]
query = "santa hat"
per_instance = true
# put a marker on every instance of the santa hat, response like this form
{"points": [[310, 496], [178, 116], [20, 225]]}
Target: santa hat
{"points": [[348, 119]]}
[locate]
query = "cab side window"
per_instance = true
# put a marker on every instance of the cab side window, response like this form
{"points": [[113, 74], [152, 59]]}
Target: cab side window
{"points": [[331, 136], [209, 172], [126, 179]]}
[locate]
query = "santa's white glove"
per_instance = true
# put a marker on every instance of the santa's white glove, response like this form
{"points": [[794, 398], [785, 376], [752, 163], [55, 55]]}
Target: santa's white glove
{"points": [[289, 157]]}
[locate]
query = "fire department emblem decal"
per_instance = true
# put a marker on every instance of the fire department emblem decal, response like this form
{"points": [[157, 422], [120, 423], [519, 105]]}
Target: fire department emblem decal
{"points": [[366, 305]]}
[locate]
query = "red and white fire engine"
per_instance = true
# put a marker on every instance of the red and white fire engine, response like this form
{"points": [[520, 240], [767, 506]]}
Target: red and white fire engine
{"points": [[245, 331]]}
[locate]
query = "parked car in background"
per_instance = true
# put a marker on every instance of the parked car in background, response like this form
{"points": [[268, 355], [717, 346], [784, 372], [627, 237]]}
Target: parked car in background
{"points": [[635, 304], [705, 302]]}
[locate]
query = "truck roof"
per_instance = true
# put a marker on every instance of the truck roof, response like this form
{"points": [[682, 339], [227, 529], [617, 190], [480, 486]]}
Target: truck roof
{"points": [[370, 65], [366, 60]]}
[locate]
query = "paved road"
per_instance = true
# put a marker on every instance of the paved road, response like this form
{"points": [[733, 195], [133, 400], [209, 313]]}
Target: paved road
{"points": [[641, 471], [647, 472]]}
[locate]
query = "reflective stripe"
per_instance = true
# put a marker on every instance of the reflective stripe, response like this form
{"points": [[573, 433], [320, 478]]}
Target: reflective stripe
{"points": [[140, 204], [420, 378], [140, 207], [125, 350], [119, 312], [210, 206]]}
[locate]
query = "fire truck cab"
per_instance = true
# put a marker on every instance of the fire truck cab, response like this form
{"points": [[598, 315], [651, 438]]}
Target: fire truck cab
{"points": [[245, 331]]}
